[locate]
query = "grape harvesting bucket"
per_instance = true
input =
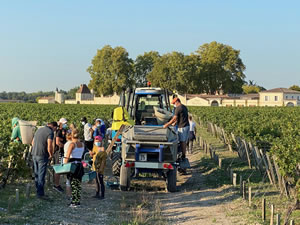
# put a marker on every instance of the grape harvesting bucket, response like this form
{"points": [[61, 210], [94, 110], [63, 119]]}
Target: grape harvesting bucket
{"points": [[27, 129]]}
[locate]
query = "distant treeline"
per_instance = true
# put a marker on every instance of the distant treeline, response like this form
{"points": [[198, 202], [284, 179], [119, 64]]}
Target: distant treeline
{"points": [[23, 96], [33, 97]]}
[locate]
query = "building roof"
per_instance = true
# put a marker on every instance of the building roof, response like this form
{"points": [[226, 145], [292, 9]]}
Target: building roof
{"points": [[84, 89], [205, 96], [47, 98], [250, 96], [282, 90]]}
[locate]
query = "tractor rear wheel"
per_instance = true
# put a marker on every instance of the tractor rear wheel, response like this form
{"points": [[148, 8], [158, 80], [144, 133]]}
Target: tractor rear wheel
{"points": [[116, 163], [125, 178], [171, 180]]}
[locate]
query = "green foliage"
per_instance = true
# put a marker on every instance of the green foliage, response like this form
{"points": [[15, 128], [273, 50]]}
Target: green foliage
{"points": [[111, 70], [213, 68], [11, 151], [248, 89], [252, 87], [71, 94], [143, 66], [295, 88], [27, 97], [274, 129], [170, 72], [222, 68]]}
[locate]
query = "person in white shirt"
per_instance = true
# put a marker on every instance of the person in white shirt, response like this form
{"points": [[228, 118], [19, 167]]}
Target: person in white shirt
{"points": [[192, 134], [88, 134]]}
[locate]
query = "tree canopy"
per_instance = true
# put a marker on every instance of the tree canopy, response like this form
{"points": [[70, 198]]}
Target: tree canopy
{"points": [[143, 66], [252, 87], [295, 88], [213, 68], [111, 70], [221, 67]]}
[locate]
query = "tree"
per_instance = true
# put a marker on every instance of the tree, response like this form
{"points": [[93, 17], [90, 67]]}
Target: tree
{"points": [[248, 89], [71, 94], [111, 70], [172, 71], [143, 66], [295, 88], [221, 67], [251, 87]]}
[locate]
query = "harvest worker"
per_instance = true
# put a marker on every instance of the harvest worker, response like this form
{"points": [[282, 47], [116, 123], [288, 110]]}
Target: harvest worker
{"points": [[88, 134], [181, 118], [99, 165], [42, 151], [60, 141], [100, 128], [66, 148], [74, 155], [192, 134], [16, 133]]}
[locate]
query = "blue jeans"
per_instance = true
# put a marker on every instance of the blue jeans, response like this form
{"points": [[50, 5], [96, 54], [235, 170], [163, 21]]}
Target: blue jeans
{"points": [[40, 169]]}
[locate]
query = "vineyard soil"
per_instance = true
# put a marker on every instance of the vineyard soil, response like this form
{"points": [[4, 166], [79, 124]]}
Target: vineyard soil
{"points": [[194, 203]]}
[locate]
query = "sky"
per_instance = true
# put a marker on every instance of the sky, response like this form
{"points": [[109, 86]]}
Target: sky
{"points": [[48, 44]]}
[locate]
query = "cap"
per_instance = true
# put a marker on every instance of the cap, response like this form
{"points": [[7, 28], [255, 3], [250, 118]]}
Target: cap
{"points": [[98, 138], [174, 100], [63, 120]]}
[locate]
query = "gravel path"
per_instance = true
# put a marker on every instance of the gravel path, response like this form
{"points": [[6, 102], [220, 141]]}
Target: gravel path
{"points": [[193, 203]]}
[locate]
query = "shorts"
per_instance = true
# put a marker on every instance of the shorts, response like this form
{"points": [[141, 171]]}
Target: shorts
{"points": [[183, 133]]}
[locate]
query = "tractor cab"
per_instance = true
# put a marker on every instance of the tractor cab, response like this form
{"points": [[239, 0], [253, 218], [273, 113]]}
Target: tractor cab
{"points": [[147, 106]]}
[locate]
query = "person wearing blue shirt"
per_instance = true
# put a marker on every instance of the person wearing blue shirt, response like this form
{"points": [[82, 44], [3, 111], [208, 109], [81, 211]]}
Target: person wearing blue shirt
{"points": [[100, 128]]}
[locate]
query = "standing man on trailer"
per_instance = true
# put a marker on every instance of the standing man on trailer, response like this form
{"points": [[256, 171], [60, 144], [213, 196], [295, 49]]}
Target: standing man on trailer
{"points": [[181, 117]]}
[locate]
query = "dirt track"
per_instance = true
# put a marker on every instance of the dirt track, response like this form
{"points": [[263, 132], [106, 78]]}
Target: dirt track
{"points": [[147, 203], [194, 203]]}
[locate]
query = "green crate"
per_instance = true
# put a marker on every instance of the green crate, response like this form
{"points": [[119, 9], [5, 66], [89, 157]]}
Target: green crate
{"points": [[64, 168], [89, 176]]}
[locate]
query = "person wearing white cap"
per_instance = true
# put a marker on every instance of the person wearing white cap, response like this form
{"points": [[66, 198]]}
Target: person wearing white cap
{"points": [[60, 141]]}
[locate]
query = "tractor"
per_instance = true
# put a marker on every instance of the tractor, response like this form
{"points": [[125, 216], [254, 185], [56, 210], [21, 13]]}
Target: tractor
{"points": [[144, 146]]}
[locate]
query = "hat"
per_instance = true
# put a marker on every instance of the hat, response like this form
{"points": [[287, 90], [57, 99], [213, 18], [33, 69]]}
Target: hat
{"points": [[174, 100], [98, 120], [98, 138], [62, 120]]}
